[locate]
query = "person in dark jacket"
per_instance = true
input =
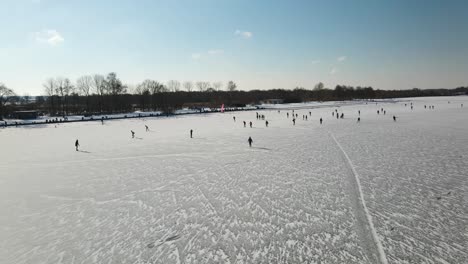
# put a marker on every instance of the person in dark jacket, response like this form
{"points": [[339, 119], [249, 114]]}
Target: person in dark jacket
{"points": [[250, 141]]}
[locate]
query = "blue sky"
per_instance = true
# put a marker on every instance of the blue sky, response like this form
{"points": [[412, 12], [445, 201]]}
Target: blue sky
{"points": [[259, 44]]}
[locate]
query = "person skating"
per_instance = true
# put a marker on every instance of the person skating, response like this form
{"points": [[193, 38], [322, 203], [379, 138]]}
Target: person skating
{"points": [[321, 120], [250, 124], [250, 141], [191, 133], [394, 118], [266, 123], [234, 118], [244, 123], [359, 112], [358, 119], [133, 133], [147, 128], [294, 121], [77, 144]]}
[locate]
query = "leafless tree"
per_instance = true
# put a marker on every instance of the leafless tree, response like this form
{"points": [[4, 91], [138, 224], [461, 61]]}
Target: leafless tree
{"points": [[217, 85], [202, 86], [49, 87], [231, 86], [173, 85], [98, 84], [5, 95], [84, 84], [319, 86], [188, 86]]}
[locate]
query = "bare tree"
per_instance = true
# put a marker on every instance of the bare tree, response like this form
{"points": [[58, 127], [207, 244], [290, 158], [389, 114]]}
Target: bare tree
{"points": [[99, 87], [217, 85], [319, 86], [98, 84], [50, 91], [202, 86], [231, 86], [5, 95], [173, 85], [84, 84], [188, 86], [49, 87]]}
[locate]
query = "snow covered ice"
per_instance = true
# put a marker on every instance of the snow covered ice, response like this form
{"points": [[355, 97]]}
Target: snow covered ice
{"points": [[377, 191]]}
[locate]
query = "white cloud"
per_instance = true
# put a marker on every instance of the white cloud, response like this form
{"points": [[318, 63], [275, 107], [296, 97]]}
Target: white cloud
{"points": [[244, 34], [50, 36], [342, 58], [196, 56], [216, 52], [333, 71]]}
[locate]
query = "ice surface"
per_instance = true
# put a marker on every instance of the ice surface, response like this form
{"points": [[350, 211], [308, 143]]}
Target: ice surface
{"points": [[291, 198]]}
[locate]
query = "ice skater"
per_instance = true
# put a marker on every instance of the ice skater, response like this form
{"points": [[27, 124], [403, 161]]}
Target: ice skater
{"points": [[191, 133], [294, 121], [359, 112], [234, 118], [244, 123], [133, 133], [394, 118], [358, 120], [250, 141], [147, 128], [266, 123], [250, 124], [321, 120], [77, 144]]}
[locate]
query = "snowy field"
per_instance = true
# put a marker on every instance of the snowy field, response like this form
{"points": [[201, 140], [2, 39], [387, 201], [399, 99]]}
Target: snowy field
{"points": [[377, 191]]}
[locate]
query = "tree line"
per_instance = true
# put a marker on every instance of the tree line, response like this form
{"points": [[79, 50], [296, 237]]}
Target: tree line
{"points": [[99, 94]]}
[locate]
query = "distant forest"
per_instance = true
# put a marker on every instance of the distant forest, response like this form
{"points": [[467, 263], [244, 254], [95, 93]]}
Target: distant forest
{"points": [[98, 94]]}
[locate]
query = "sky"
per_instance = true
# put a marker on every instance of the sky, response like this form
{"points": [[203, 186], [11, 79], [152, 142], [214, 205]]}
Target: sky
{"points": [[259, 44]]}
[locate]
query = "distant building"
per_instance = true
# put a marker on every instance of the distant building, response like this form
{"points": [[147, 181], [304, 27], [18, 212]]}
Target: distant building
{"points": [[30, 114], [272, 101]]}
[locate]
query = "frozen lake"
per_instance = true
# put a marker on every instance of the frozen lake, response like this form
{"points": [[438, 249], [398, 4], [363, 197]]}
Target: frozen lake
{"points": [[377, 191]]}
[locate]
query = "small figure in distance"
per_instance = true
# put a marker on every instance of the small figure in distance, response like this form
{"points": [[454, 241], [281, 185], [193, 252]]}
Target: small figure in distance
{"points": [[321, 120], [133, 133], [294, 121], [358, 119], [250, 124], [266, 123], [77, 144], [394, 118], [147, 128], [359, 112], [244, 123], [234, 118], [191, 133], [378, 112], [250, 141]]}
